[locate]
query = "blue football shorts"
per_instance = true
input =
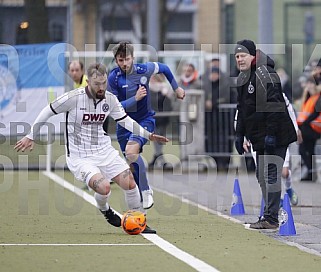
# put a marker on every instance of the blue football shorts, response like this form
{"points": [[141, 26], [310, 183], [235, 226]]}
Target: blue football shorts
{"points": [[123, 135]]}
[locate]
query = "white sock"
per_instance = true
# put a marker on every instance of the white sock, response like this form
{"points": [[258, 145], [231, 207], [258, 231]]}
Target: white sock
{"points": [[132, 198], [288, 181], [102, 201]]}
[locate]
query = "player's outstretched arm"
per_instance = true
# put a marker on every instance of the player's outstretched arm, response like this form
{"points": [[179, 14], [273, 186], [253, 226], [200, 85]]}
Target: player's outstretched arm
{"points": [[24, 144], [27, 142], [164, 69], [134, 127]]}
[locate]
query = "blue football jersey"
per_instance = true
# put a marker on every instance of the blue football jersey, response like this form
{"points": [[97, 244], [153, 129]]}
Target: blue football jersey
{"points": [[125, 86]]}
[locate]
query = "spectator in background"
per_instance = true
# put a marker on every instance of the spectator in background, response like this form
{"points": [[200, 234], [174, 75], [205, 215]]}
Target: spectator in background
{"points": [[316, 72], [217, 91], [161, 103], [285, 83], [76, 72], [189, 77], [214, 62], [309, 121]]}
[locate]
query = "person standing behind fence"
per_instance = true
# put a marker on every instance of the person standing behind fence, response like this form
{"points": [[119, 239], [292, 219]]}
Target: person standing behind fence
{"points": [[309, 121], [264, 120], [316, 72], [217, 132], [130, 83], [89, 153], [189, 78], [285, 83], [76, 72]]}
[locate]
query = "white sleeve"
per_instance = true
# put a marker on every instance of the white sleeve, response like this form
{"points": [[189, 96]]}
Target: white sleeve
{"points": [[66, 101], [117, 111], [291, 112], [43, 116], [134, 127]]}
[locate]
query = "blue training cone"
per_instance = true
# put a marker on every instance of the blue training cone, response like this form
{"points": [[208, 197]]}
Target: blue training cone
{"points": [[237, 207], [287, 227], [262, 207]]}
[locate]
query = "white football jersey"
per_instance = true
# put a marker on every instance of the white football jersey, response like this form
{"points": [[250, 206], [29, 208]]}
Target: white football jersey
{"points": [[85, 115]]}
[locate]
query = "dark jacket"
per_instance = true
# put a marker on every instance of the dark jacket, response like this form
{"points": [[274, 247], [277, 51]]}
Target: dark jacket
{"points": [[261, 106]]}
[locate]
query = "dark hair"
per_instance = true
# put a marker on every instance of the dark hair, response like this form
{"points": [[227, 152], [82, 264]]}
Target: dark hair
{"points": [[97, 68], [123, 49], [80, 63]]}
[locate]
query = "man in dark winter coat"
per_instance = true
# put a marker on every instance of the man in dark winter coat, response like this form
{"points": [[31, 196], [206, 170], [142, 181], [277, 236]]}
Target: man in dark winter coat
{"points": [[264, 120]]}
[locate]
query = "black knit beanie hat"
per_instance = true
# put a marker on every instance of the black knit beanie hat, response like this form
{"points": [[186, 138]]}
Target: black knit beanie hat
{"points": [[246, 46]]}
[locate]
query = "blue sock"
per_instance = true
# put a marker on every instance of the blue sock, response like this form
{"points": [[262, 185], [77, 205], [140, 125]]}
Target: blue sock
{"points": [[140, 174]]}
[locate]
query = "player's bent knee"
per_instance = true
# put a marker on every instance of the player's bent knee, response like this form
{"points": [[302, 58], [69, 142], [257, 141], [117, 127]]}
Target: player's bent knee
{"points": [[131, 157], [126, 180]]}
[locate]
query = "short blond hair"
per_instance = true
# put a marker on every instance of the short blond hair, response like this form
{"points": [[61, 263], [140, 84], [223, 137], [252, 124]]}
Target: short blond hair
{"points": [[96, 68]]}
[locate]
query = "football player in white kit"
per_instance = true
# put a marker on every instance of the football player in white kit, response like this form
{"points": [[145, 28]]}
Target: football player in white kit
{"points": [[89, 153]]}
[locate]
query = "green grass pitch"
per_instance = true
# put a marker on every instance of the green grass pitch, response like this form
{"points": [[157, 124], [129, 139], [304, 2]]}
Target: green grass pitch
{"points": [[35, 210]]}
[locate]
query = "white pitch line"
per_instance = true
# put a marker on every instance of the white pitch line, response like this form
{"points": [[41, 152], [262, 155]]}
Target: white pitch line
{"points": [[185, 200], [76, 244], [183, 256], [187, 258]]}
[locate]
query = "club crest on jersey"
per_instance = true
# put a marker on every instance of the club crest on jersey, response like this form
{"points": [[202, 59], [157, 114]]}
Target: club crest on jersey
{"points": [[143, 80], [105, 107], [250, 88]]}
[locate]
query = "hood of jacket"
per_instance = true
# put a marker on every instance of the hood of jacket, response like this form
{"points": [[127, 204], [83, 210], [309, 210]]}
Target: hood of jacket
{"points": [[262, 59]]}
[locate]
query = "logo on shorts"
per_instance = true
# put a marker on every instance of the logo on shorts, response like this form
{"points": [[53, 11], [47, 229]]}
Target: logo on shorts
{"points": [[84, 175], [105, 107], [250, 89]]}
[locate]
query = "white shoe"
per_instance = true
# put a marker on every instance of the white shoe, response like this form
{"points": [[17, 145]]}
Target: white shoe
{"points": [[148, 200]]}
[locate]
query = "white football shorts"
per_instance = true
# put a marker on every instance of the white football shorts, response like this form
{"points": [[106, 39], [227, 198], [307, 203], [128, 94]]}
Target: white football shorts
{"points": [[84, 168]]}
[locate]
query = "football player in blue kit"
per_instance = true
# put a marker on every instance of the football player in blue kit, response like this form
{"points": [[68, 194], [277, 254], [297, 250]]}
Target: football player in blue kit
{"points": [[130, 83]]}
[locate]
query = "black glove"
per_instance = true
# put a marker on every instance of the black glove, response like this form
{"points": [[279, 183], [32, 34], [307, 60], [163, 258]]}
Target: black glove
{"points": [[269, 143], [239, 144]]}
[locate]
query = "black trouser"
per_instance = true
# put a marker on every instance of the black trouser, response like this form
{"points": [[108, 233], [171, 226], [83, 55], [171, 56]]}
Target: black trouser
{"points": [[306, 148], [268, 172]]}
